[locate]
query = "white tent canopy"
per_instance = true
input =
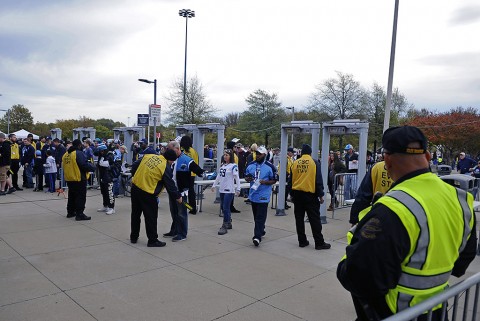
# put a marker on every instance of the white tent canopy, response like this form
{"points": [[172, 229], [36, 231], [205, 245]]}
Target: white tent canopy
{"points": [[22, 133]]}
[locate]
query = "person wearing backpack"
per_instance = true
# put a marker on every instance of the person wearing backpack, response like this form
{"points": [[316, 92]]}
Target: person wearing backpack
{"points": [[106, 169]]}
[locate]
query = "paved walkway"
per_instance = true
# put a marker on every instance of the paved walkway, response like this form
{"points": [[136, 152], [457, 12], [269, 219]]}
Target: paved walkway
{"points": [[54, 268]]}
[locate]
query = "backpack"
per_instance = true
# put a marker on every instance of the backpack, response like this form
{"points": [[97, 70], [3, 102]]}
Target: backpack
{"points": [[116, 169]]}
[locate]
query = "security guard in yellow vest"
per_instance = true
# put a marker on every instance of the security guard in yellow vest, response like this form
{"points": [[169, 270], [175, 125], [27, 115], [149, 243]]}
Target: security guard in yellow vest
{"points": [[186, 145], [15, 161], [151, 174], [412, 239], [306, 184], [76, 169], [375, 181]]}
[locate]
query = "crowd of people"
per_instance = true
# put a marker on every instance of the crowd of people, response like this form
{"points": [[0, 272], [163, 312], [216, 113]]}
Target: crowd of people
{"points": [[401, 208]]}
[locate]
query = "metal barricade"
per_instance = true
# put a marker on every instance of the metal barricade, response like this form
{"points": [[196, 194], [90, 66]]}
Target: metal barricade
{"points": [[454, 296], [345, 189]]}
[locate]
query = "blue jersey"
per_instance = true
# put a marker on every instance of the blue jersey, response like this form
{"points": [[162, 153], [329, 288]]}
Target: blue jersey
{"points": [[261, 171]]}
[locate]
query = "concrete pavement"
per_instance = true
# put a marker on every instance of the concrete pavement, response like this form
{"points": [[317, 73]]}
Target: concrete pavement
{"points": [[54, 268]]}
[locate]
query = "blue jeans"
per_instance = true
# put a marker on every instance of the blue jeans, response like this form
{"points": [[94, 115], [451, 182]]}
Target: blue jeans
{"points": [[260, 217], [226, 201], [350, 188], [29, 174], [116, 186]]}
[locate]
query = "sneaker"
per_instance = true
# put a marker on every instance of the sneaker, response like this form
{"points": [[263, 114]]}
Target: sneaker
{"points": [[256, 242], [11, 190], [3, 193], [110, 211], [156, 243], [178, 238], [228, 225], [324, 246], [223, 229], [303, 244], [169, 234], [82, 217], [287, 206], [102, 209]]}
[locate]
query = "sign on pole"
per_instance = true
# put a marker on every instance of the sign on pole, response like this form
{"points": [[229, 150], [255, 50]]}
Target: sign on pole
{"points": [[142, 119], [155, 112]]}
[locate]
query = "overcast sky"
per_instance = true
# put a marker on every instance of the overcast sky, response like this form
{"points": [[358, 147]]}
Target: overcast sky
{"points": [[64, 59]]}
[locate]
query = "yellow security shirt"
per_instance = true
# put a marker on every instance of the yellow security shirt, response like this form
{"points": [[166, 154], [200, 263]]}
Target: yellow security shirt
{"points": [[149, 172], [304, 173]]}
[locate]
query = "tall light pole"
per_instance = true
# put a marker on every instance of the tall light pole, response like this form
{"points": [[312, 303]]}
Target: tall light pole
{"points": [[186, 13], [293, 118], [386, 119], [154, 82]]}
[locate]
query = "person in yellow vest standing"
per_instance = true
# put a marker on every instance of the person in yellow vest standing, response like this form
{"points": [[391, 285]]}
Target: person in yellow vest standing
{"points": [[15, 161], [76, 169], [306, 184], [151, 174], [375, 183], [186, 145], [406, 246]]}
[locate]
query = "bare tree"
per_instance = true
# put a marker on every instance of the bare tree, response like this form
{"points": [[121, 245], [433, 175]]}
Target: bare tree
{"points": [[340, 98], [197, 110]]}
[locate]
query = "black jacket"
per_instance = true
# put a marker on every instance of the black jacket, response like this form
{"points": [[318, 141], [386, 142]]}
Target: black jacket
{"points": [[5, 153]]}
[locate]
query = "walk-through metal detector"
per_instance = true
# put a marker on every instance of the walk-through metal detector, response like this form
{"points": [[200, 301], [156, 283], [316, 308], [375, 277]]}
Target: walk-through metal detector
{"points": [[198, 142], [56, 133], [199, 132], [80, 132], [128, 138], [343, 127], [294, 127]]}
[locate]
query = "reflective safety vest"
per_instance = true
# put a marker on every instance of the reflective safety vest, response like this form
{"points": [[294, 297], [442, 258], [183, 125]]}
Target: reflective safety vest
{"points": [[71, 171], [15, 154], [439, 222], [149, 172], [304, 174]]}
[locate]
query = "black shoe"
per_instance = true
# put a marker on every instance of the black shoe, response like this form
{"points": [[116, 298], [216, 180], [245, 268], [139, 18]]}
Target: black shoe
{"points": [[18, 188], [11, 190], [156, 243], [193, 212], [324, 246], [69, 215], [133, 241], [3, 193], [303, 244], [287, 206], [82, 217], [169, 234], [234, 210], [256, 242]]}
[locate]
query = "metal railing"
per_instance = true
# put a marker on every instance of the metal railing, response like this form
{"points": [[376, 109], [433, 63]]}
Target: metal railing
{"points": [[344, 188], [458, 293]]}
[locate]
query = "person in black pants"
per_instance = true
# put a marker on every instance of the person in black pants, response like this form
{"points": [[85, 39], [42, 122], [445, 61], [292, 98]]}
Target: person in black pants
{"points": [[150, 174], [76, 168], [307, 193]]}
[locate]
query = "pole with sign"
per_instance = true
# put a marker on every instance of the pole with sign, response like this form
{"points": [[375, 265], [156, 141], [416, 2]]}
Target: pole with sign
{"points": [[155, 114]]}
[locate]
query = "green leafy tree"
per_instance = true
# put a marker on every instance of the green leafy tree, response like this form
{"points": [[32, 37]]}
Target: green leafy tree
{"points": [[43, 129], [20, 117], [198, 109], [260, 123]]}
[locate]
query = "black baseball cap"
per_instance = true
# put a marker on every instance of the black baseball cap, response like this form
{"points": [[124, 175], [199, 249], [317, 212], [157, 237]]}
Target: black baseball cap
{"points": [[397, 139]]}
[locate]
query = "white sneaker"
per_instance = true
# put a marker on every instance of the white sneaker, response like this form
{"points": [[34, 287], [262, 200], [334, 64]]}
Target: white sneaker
{"points": [[102, 209], [110, 211]]}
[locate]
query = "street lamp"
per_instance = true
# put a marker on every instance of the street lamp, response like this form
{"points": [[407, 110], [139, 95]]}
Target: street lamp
{"points": [[186, 13], [386, 119], [154, 82], [293, 118]]}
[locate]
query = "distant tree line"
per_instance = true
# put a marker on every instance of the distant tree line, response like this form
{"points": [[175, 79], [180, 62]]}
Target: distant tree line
{"points": [[258, 120]]}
